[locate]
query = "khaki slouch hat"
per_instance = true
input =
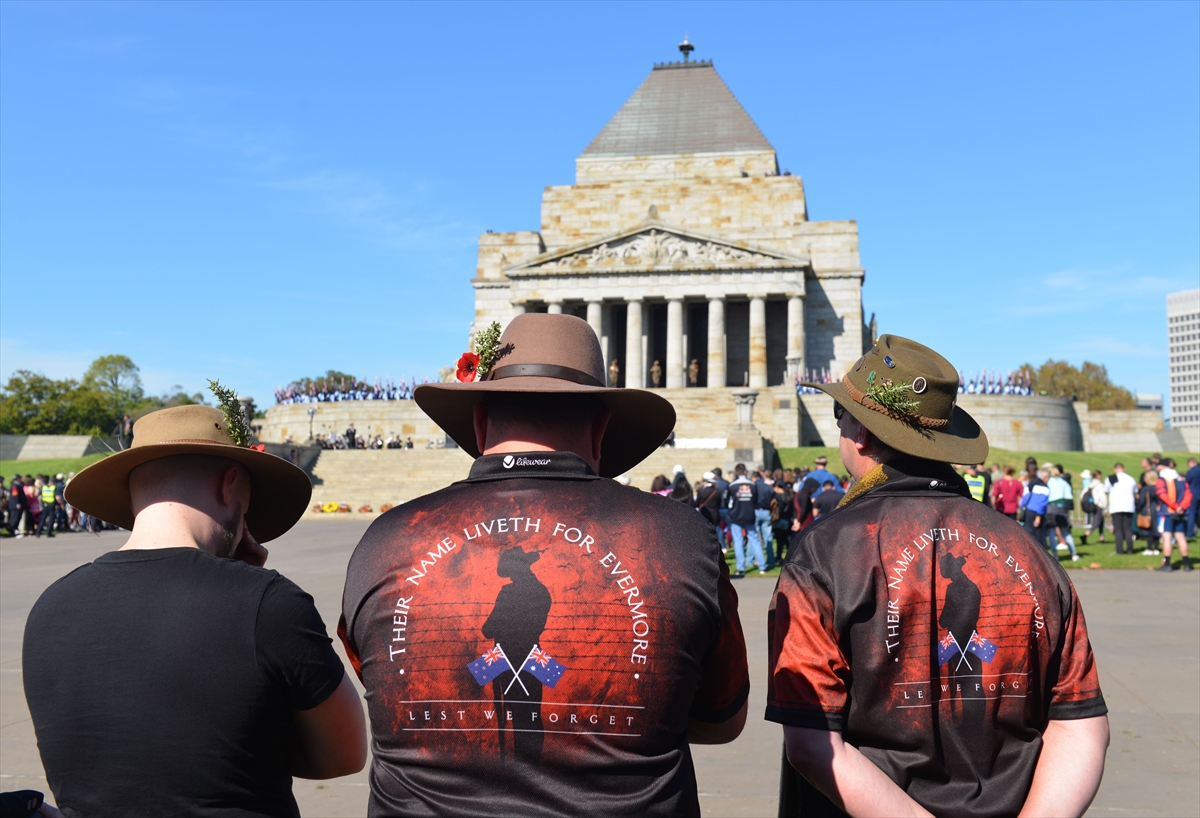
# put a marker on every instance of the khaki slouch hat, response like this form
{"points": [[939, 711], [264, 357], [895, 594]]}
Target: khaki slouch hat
{"points": [[907, 396], [279, 491]]}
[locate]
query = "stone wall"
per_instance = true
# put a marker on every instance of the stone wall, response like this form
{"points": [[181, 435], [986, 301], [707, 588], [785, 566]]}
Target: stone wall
{"points": [[1022, 424], [45, 447]]}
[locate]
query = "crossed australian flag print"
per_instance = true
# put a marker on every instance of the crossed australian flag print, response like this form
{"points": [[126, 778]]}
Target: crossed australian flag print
{"points": [[948, 648], [537, 664]]}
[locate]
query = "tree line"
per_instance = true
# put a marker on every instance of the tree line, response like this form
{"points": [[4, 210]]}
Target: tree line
{"points": [[32, 404], [1089, 383]]}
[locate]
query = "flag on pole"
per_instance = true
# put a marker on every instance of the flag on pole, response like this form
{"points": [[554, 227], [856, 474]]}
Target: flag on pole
{"points": [[981, 647], [540, 666], [947, 648], [490, 665]]}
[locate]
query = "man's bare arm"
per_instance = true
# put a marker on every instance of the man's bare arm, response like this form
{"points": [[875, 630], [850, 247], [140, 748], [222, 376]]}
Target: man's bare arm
{"points": [[846, 776], [1069, 768], [331, 737], [703, 732]]}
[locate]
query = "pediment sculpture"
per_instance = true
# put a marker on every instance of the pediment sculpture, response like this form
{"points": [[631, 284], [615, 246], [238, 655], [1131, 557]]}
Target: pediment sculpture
{"points": [[655, 248]]}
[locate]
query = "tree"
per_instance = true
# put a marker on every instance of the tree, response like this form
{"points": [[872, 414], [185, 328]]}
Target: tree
{"points": [[116, 376], [32, 404], [1089, 383], [332, 379]]}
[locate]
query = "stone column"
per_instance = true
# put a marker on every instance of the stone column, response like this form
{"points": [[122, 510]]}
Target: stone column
{"points": [[758, 342], [518, 308], [595, 317], [635, 377], [716, 342], [675, 344], [554, 307], [795, 336]]}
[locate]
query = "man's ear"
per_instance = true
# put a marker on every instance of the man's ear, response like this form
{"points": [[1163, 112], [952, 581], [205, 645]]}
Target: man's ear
{"points": [[480, 419], [599, 427], [229, 479], [862, 439]]}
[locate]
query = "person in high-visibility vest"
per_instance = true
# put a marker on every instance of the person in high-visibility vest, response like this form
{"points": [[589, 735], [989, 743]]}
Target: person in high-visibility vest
{"points": [[49, 509], [975, 482]]}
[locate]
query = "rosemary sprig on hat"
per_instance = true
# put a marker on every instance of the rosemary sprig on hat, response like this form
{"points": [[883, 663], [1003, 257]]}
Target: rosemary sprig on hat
{"points": [[894, 397], [235, 418], [487, 347]]}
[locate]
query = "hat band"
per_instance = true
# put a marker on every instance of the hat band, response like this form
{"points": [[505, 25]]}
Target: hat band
{"points": [[866, 400], [563, 373]]}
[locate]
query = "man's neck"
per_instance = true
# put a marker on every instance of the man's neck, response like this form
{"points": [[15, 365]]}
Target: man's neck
{"points": [[171, 525]]}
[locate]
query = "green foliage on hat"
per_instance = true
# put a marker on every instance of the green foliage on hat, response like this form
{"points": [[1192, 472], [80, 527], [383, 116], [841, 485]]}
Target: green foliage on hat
{"points": [[894, 397], [235, 418], [487, 347]]}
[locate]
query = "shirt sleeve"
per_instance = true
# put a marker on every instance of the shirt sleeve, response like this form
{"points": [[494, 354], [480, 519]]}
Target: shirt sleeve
{"points": [[295, 653], [809, 675], [1075, 693], [724, 674]]}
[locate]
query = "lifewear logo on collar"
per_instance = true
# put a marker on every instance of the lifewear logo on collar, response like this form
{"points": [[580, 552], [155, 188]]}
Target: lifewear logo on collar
{"points": [[510, 461]]}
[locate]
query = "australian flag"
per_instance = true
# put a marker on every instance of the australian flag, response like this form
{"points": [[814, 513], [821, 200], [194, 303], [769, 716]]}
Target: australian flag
{"points": [[981, 647], [490, 665], [540, 666], [947, 648]]}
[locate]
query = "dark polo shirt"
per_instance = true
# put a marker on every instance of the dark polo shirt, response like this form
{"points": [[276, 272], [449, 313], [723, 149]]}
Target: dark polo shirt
{"points": [[533, 641]]}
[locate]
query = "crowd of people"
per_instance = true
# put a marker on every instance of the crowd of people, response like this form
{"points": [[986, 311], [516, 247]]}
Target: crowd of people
{"points": [[36, 507], [351, 439], [758, 511], [983, 383], [325, 391]]}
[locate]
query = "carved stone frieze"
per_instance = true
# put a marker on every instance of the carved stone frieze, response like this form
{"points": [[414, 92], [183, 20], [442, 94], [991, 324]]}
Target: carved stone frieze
{"points": [[658, 248]]}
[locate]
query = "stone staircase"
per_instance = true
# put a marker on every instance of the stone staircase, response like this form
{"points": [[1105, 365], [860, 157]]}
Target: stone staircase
{"points": [[375, 477], [378, 476]]}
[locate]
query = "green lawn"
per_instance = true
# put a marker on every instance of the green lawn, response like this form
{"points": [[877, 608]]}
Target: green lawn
{"points": [[1073, 462], [1095, 555], [51, 466]]}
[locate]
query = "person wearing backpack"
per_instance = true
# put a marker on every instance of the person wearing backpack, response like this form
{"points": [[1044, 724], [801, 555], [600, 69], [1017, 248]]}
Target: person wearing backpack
{"points": [[1093, 503], [1174, 496]]}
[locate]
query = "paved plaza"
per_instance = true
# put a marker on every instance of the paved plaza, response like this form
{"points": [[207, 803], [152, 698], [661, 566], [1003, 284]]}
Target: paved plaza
{"points": [[1145, 630]]}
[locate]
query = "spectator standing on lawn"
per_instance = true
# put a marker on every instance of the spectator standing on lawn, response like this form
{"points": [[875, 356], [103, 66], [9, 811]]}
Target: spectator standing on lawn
{"points": [[976, 484], [804, 504], [1122, 493], [1175, 498], [763, 495], [708, 501], [1095, 494], [827, 501], [1035, 502], [49, 508], [1058, 513], [1007, 493], [821, 473], [1148, 512], [742, 501], [1193, 480], [785, 511]]}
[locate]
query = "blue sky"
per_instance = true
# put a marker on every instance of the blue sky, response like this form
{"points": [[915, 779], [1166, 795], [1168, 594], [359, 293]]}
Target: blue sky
{"points": [[259, 192]]}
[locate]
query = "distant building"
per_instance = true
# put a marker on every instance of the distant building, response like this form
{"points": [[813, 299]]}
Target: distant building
{"points": [[1183, 349], [682, 241], [1150, 403]]}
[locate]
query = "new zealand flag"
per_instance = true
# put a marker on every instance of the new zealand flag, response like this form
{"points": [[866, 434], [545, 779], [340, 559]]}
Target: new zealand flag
{"points": [[947, 649], [981, 647], [490, 665], [540, 666]]}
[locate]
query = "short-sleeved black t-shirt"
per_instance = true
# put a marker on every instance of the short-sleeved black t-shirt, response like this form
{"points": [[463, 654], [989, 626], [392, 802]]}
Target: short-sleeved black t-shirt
{"points": [[533, 641], [161, 683]]}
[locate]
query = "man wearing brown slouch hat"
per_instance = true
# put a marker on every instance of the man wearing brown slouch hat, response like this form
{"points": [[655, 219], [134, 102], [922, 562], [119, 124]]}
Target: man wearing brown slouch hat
{"points": [[927, 655], [538, 639], [177, 676]]}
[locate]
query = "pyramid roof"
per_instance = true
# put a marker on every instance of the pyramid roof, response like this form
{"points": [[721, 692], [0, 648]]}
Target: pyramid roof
{"points": [[682, 107]]}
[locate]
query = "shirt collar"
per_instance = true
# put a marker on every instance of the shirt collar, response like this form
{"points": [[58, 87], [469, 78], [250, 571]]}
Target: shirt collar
{"points": [[549, 465]]}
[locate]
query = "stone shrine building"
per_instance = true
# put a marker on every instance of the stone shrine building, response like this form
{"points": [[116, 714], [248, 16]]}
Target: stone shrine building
{"points": [[681, 241]]}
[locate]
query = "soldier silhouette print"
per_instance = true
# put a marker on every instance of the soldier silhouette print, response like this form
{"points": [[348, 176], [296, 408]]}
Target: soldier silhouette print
{"points": [[515, 625]]}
